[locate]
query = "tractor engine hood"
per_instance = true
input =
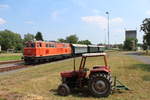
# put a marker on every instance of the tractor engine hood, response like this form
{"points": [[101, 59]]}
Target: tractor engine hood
{"points": [[67, 74]]}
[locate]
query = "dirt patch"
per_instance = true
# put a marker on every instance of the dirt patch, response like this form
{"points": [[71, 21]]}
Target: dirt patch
{"points": [[16, 96], [9, 96]]}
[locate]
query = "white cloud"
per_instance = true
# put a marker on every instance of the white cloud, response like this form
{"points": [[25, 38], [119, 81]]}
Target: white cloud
{"points": [[101, 20], [117, 20], [148, 12], [94, 19], [2, 21], [29, 22], [4, 6], [55, 14], [58, 14]]}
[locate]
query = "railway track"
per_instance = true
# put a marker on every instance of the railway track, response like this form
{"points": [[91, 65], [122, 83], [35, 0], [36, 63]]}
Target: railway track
{"points": [[9, 68], [9, 62], [11, 65], [14, 65]]}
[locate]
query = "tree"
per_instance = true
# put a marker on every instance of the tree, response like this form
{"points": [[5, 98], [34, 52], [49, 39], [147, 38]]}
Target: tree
{"points": [[145, 27], [28, 37], [61, 40], [39, 36], [10, 40], [130, 44], [87, 42], [120, 46], [18, 42], [72, 39]]}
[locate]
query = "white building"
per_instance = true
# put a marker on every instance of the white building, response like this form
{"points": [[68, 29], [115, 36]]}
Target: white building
{"points": [[0, 48]]}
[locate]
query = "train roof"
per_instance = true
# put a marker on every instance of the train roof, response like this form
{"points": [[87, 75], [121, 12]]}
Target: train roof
{"points": [[100, 46], [79, 45], [92, 45], [45, 42]]}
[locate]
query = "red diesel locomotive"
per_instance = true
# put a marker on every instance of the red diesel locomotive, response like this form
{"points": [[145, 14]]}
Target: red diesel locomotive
{"points": [[40, 51]]}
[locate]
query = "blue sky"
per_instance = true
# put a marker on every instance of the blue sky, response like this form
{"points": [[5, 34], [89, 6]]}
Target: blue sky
{"points": [[85, 18]]}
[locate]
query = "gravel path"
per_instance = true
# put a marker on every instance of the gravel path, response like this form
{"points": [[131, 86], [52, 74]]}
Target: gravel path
{"points": [[138, 56]]}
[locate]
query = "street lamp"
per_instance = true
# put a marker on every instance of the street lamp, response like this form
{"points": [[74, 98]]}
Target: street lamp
{"points": [[108, 26]]}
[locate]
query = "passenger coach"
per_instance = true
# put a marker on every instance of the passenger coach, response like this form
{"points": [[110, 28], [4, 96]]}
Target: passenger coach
{"points": [[78, 49]]}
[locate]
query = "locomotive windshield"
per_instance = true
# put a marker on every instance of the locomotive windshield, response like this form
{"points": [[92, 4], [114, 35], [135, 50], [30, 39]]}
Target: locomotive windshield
{"points": [[32, 45]]}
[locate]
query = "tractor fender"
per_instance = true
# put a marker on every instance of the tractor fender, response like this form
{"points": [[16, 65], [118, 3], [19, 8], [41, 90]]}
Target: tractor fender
{"points": [[101, 69]]}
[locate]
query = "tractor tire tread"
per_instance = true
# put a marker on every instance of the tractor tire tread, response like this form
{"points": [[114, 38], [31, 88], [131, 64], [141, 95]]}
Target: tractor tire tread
{"points": [[101, 75], [67, 89]]}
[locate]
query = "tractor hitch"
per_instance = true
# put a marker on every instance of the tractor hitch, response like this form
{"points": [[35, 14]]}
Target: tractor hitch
{"points": [[118, 85]]}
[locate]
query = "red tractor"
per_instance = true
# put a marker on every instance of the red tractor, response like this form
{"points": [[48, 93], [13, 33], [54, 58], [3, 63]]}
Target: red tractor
{"points": [[99, 81]]}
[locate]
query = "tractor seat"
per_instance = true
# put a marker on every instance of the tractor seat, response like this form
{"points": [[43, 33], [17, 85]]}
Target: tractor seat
{"points": [[98, 66]]}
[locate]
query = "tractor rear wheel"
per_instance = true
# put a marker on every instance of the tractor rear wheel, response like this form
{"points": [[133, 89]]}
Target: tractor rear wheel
{"points": [[63, 90], [100, 84]]}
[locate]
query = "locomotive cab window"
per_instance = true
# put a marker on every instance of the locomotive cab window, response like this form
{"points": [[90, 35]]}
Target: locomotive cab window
{"points": [[39, 45], [52, 45], [64, 45], [26, 45], [32, 45], [46, 45]]}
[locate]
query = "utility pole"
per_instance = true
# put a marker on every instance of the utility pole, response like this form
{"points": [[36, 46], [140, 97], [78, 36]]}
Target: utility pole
{"points": [[105, 37], [108, 28]]}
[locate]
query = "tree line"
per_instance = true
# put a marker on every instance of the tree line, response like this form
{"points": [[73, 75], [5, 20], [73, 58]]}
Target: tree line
{"points": [[12, 40], [74, 39]]}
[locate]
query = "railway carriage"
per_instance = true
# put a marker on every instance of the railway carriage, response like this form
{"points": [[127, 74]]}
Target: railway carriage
{"points": [[101, 48], [93, 48], [79, 49]]}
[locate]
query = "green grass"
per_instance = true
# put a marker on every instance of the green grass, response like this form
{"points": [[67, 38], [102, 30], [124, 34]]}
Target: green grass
{"points": [[2, 99], [10, 56], [41, 82], [143, 53]]}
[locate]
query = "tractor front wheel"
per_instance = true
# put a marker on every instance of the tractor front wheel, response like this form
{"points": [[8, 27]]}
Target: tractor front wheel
{"points": [[63, 90], [100, 85]]}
